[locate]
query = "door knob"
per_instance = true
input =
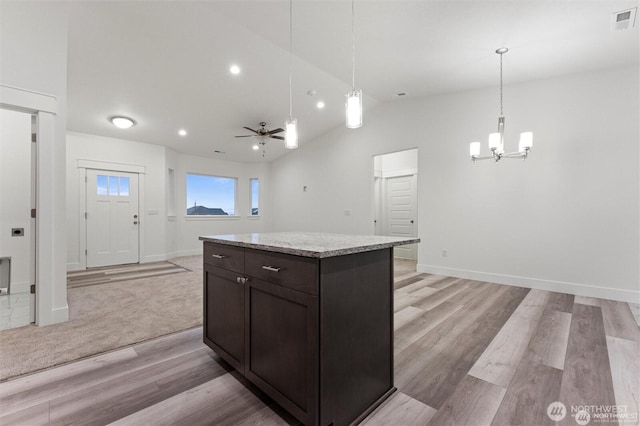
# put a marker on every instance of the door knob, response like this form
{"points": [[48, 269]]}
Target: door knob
{"points": [[135, 216], [412, 221], [135, 222]]}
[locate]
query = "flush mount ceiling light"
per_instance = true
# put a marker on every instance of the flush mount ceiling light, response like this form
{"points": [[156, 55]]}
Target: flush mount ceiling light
{"points": [[496, 140], [320, 105], [353, 105], [182, 132], [291, 125], [234, 69], [122, 122]]}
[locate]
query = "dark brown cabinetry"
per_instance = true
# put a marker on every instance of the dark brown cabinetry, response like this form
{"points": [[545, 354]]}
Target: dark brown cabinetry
{"points": [[314, 334]]}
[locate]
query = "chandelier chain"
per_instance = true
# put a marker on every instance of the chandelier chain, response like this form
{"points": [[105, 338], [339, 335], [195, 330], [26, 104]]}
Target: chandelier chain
{"points": [[290, 57]]}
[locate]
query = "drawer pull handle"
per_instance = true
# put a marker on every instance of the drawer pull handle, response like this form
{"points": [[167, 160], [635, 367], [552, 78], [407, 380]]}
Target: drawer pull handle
{"points": [[271, 268], [218, 256]]}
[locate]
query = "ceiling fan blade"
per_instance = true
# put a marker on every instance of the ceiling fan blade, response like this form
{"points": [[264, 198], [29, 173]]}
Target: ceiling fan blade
{"points": [[249, 128], [277, 137], [278, 130], [246, 136]]}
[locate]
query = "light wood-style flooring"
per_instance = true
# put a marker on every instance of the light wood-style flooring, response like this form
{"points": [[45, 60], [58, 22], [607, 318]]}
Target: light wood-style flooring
{"points": [[466, 353]]}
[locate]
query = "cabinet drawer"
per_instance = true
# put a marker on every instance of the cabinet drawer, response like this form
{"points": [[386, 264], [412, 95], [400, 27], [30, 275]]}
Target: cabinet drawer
{"points": [[223, 256], [296, 272]]}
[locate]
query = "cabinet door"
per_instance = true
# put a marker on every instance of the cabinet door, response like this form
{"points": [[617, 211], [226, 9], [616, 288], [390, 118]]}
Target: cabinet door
{"points": [[224, 315], [282, 343]]}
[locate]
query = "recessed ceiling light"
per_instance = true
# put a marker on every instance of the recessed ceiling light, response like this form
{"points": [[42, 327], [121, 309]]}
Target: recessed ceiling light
{"points": [[255, 147], [122, 122], [234, 69], [320, 105], [182, 132]]}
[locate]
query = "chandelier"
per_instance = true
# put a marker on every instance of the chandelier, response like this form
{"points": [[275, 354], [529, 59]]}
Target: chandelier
{"points": [[353, 107], [291, 125], [496, 140]]}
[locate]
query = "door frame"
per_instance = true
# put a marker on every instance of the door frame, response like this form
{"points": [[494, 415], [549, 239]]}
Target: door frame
{"points": [[379, 188], [83, 165], [50, 274]]}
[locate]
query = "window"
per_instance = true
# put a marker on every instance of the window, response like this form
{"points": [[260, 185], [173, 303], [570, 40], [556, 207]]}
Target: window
{"points": [[211, 195], [171, 207], [255, 197], [113, 185]]}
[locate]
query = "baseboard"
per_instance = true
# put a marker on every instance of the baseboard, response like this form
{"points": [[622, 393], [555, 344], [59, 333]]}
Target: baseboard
{"points": [[154, 258], [74, 267], [547, 285], [181, 253], [60, 314], [20, 287]]}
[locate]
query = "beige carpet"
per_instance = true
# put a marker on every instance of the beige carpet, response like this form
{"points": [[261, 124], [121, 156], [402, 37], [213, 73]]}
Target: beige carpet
{"points": [[107, 317]]}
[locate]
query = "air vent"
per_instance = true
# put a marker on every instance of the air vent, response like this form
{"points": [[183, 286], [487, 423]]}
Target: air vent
{"points": [[624, 20]]}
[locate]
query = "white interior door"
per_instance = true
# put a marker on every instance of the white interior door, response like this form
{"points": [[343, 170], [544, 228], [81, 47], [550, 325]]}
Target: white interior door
{"points": [[112, 218], [401, 212]]}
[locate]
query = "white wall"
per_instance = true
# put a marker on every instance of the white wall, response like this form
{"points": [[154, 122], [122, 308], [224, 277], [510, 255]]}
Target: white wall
{"points": [[15, 195], [164, 235], [567, 219], [33, 56]]}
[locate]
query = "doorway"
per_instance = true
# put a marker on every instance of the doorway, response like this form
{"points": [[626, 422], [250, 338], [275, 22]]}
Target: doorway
{"points": [[395, 198], [112, 218], [17, 222]]}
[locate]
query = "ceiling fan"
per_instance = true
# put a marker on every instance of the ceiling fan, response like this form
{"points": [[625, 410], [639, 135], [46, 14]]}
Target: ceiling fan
{"points": [[262, 134]]}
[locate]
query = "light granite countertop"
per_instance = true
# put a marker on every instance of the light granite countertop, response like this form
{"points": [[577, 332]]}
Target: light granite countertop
{"points": [[308, 244]]}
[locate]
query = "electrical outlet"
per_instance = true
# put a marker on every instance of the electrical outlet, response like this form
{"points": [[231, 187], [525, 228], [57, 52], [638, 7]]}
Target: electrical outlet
{"points": [[444, 252]]}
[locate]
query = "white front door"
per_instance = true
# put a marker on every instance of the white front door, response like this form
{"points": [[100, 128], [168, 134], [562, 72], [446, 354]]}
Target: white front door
{"points": [[401, 212], [112, 218]]}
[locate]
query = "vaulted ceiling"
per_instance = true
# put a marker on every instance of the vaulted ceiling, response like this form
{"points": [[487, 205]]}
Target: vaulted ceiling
{"points": [[166, 64]]}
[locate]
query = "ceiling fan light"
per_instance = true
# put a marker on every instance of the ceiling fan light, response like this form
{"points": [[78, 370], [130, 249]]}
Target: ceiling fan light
{"points": [[354, 109], [291, 133]]}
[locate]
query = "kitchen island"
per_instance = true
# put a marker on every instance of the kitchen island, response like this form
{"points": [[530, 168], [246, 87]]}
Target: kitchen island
{"points": [[306, 317]]}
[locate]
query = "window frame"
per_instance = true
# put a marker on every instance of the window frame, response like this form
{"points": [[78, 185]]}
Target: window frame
{"points": [[211, 216], [251, 215]]}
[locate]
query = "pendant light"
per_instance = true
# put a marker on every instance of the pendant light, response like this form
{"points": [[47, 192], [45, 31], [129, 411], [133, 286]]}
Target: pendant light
{"points": [[291, 125], [496, 140], [353, 107]]}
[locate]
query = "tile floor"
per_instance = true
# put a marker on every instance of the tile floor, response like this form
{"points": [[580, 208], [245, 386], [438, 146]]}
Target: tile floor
{"points": [[14, 310]]}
